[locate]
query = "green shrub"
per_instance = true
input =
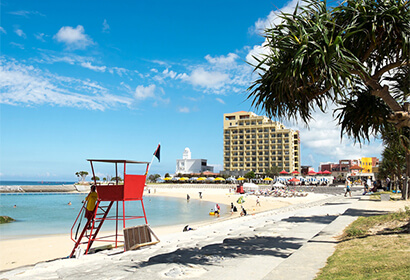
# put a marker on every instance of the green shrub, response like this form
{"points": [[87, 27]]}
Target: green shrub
{"points": [[6, 219]]}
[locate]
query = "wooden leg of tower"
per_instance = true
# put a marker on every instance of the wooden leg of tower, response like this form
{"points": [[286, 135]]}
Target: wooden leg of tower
{"points": [[143, 209]]}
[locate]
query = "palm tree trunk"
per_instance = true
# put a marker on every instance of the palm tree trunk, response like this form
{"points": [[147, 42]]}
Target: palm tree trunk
{"points": [[406, 187]]}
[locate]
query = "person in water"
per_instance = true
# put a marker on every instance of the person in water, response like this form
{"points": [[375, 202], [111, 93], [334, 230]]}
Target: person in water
{"points": [[217, 209]]}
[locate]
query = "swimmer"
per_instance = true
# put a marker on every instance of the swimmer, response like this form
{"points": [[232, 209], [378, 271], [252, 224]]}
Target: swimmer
{"points": [[69, 203]]}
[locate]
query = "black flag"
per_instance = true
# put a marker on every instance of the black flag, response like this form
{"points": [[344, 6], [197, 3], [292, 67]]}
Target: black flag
{"points": [[158, 152]]}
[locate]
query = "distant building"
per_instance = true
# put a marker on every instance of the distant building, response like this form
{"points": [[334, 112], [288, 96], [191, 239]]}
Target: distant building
{"points": [[360, 167], [256, 143], [186, 165], [368, 163], [305, 169]]}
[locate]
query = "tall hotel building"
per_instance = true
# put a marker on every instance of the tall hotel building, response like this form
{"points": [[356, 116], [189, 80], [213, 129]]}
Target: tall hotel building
{"points": [[256, 143]]}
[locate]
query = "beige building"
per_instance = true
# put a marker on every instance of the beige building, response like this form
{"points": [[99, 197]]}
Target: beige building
{"points": [[256, 143]]}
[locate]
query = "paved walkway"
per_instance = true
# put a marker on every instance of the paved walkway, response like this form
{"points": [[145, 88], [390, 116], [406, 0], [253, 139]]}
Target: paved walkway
{"points": [[287, 243]]}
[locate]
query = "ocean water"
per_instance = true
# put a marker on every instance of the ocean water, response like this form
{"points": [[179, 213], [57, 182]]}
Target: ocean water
{"points": [[34, 183], [39, 214]]}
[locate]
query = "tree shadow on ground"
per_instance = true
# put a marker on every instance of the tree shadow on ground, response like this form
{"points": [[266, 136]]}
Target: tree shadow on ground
{"points": [[363, 212], [230, 248], [311, 219], [335, 203]]}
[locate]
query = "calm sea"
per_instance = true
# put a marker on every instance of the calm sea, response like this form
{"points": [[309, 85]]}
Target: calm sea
{"points": [[49, 213], [34, 183]]}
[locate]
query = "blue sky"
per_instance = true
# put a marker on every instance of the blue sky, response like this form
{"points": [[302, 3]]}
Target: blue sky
{"points": [[112, 79]]}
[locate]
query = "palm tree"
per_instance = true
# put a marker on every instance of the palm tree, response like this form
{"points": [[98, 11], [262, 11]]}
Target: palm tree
{"points": [[355, 56]]}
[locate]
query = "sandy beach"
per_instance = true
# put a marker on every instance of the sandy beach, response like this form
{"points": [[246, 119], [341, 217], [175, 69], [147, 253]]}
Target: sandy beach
{"points": [[28, 251], [284, 238]]}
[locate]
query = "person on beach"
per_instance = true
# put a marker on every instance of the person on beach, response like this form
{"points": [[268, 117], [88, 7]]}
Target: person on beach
{"points": [[258, 202], [91, 200], [243, 212], [388, 184], [187, 228], [187, 197], [233, 208], [347, 185], [200, 195]]}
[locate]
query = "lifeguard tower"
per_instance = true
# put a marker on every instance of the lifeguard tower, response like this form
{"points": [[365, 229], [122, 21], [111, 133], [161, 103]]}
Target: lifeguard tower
{"points": [[112, 196]]}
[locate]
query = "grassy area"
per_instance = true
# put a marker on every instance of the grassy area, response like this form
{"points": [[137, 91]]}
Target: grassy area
{"points": [[376, 247], [393, 196]]}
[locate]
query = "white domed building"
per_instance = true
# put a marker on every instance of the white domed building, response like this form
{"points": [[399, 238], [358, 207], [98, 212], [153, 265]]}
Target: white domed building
{"points": [[186, 165]]}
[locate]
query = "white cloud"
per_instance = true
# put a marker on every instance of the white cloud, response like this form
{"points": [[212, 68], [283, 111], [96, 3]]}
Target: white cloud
{"points": [[40, 36], [322, 140], [20, 46], [142, 92], [20, 33], [228, 60], [220, 100], [22, 85], [169, 74], [203, 78], [118, 70], [183, 110], [92, 67], [106, 27], [271, 20], [51, 57], [74, 38], [26, 13], [258, 52], [2, 30]]}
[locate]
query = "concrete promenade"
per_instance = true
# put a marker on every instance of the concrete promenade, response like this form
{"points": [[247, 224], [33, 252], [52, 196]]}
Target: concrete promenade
{"points": [[293, 242]]}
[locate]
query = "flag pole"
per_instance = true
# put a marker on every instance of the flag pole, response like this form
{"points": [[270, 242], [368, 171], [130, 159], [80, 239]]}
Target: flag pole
{"points": [[153, 156]]}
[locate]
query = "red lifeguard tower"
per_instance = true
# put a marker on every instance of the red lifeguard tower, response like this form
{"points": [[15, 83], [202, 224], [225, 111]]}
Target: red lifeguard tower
{"points": [[110, 194]]}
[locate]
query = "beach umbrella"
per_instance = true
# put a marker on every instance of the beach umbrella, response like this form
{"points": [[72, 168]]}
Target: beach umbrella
{"points": [[183, 179], [294, 180], [167, 179], [210, 178], [201, 179], [240, 200], [240, 179], [327, 172], [268, 179], [219, 179], [295, 172], [312, 173], [278, 184], [283, 172], [319, 173]]}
